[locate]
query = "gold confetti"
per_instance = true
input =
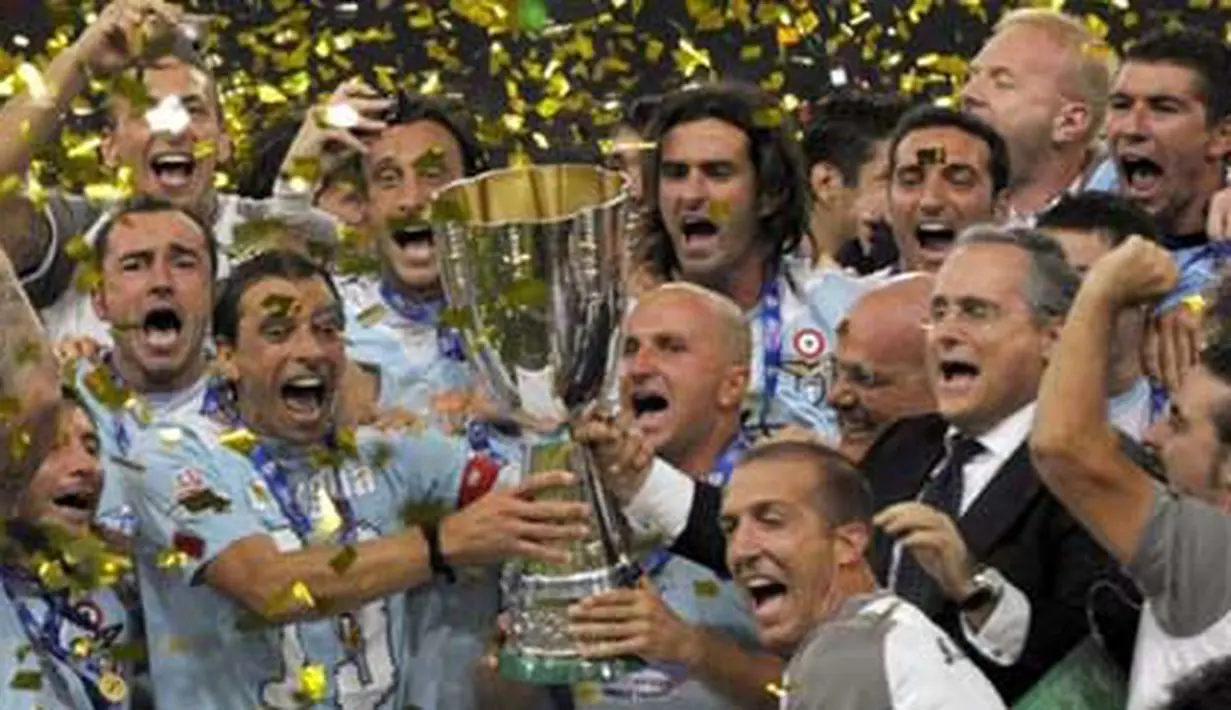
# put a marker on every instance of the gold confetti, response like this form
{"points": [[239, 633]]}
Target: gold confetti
{"points": [[587, 693], [295, 596], [344, 559], [705, 588], [312, 684], [778, 691], [241, 441], [372, 315], [205, 500], [1195, 303], [27, 680]]}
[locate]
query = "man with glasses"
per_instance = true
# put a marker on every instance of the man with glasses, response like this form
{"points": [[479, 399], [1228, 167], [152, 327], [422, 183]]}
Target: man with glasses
{"points": [[970, 536], [876, 374]]}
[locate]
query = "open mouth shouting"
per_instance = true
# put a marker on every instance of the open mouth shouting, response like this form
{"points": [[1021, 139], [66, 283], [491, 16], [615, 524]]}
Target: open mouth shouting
{"points": [[935, 240], [161, 329], [75, 504], [768, 596], [173, 170], [306, 396], [651, 407], [1143, 177], [699, 232], [957, 377]]}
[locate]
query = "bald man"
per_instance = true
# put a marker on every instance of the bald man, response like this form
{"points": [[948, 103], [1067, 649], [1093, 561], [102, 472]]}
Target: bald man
{"points": [[684, 372], [876, 374]]}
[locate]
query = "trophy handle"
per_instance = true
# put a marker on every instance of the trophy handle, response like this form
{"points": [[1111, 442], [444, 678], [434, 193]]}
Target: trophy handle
{"points": [[608, 523]]}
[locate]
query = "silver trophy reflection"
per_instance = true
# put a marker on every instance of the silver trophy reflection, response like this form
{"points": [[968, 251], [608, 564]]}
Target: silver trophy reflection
{"points": [[533, 262]]}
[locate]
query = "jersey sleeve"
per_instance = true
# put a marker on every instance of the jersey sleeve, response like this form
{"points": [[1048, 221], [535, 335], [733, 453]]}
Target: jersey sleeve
{"points": [[1181, 563], [190, 498]]}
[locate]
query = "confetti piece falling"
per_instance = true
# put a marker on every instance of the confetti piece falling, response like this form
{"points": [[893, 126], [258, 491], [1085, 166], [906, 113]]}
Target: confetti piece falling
{"points": [[168, 116], [342, 561], [313, 683]]}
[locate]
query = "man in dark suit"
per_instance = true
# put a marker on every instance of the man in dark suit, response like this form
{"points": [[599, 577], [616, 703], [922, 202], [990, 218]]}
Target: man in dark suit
{"points": [[968, 532]]}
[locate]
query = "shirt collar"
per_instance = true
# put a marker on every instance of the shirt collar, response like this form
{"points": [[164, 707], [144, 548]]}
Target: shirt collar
{"points": [[1007, 436]]}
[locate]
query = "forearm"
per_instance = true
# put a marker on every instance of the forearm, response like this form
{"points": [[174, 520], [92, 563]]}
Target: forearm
{"points": [[728, 668], [1072, 408], [31, 120]]}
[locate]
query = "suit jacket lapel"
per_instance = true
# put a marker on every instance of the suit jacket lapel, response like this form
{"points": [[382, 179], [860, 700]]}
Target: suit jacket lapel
{"points": [[897, 465], [997, 508]]}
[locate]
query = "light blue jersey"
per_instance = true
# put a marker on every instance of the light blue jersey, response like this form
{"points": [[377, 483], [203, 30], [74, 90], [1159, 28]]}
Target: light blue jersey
{"points": [[118, 425], [450, 625], [812, 304], [201, 655], [100, 620], [414, 368]]}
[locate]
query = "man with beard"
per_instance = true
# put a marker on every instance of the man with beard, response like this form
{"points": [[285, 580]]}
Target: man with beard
{"points": [[948, 170], [271, 542], [684, 372], [165, 125], [877, 374], [1042, 82], [59, 645], [1169, 125], [846, 145], [727, 201], [797, 519]]}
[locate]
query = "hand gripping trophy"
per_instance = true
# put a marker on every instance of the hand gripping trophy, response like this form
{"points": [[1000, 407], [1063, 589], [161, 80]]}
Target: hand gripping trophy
{"points": [[534, 265]]}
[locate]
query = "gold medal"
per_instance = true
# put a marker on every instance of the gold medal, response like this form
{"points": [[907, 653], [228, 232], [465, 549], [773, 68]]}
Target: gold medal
{"points": [[112, 687]]}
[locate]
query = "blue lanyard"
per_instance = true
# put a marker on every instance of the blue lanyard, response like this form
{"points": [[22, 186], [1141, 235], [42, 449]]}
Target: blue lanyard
{"points": [[720, 476], [275, 477], [448, 340], [771, 339], [47, 637]]}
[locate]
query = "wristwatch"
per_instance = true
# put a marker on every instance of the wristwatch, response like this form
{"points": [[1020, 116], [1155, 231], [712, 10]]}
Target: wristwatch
{"points": [[988, 586]]}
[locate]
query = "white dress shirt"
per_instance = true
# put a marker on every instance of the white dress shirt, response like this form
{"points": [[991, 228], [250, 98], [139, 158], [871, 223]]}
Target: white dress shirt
{"points": [[1003, 635]]}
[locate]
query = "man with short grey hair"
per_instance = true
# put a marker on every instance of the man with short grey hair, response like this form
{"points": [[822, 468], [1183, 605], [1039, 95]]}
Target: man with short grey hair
{"points": [[969, 534]]}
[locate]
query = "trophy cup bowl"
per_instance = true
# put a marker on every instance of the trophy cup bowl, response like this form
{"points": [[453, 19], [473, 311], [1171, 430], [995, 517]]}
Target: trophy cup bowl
{"points": [[533, 262]]}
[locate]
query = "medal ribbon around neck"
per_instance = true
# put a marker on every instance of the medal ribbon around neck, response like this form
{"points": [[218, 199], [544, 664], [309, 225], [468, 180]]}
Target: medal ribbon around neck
{"points": [[105, 688]]}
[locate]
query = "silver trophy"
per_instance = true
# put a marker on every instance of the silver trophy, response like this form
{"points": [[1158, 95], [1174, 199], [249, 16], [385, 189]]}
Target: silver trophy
{"points": [[534, 263]]}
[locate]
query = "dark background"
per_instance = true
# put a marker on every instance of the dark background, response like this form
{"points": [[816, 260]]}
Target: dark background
{"points": [[273, 57]]}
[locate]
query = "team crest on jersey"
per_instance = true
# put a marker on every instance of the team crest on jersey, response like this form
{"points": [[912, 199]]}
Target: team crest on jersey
{"points": [[809, 344], [188, 483]]}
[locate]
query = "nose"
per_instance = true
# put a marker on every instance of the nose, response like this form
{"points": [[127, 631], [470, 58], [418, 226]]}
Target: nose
{"points": [[412, 198], [972, 93], [161, 280], [931, 198], [693, 189], [1131, 123]]}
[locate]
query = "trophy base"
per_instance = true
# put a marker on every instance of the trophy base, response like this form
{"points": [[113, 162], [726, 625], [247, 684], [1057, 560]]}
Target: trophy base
{"points": [[563, 670]]}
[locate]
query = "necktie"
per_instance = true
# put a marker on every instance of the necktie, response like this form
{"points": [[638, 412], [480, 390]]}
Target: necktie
{"points": [[943, 492]]}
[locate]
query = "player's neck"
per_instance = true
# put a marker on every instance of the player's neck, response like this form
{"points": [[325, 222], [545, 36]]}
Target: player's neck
{"points": [[1049, 179], [413, 293], [703, 459], [743, 282], [135, 377]]}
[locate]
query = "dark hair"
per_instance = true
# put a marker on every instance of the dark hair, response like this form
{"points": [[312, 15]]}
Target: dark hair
{"points": [[773, 151], [411, 108], [922, 117], [144, 204], [274, 264], [1207, 688], [846, 127], [1197, 50], [640, 112], [843, 495], [1114, 217], [181, 48]]}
